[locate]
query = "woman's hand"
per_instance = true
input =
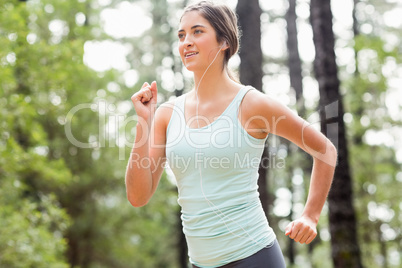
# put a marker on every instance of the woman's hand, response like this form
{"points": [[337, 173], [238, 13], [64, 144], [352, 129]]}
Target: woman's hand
{"points": [[303, 230], [145, 101]]}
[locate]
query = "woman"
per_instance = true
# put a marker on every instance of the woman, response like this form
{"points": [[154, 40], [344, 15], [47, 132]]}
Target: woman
{"points": [[212, 137]]}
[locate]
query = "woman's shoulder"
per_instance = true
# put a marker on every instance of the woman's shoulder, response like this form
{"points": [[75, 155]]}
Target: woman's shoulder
{"points": [[255, 102], [258, 104], [167, 105], [164, 111]]}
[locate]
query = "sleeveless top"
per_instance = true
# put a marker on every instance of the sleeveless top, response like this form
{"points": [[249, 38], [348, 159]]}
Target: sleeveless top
{"points": [[216, 170]]}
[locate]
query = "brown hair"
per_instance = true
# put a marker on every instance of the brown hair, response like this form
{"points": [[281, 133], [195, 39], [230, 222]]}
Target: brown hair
{"points": [[224, 22]]}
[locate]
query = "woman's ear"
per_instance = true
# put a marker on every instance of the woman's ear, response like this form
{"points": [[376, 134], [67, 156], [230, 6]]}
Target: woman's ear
{"points": [[224, 45]]}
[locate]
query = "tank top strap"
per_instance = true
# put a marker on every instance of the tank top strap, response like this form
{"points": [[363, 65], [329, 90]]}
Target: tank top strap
{"points": [[243, 92], [177, 117], [179, 102], [238, 100]]}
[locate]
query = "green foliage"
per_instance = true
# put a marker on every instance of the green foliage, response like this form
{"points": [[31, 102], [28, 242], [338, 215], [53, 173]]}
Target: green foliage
{"points": [[60, 202], [32, 221], [31, 233], [137, 237]]}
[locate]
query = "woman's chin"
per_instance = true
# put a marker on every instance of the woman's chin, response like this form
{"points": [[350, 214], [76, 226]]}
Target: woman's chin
{"points": [[195, 68], [191, 67]]}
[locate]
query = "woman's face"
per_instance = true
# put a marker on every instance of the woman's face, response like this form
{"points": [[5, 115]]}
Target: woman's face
{"points": [[197, 42]]}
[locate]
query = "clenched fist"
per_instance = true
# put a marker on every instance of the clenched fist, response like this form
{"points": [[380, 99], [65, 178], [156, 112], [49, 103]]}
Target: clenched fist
{"points": [[303, 230], [145, 100]]}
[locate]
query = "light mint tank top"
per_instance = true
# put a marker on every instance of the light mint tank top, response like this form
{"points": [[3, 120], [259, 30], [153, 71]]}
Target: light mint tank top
{"points": [[216, 169]]}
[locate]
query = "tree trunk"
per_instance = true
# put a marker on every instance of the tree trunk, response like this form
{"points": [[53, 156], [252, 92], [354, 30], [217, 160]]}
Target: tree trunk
{"points": [[181, 244], [356, 32], [294, 62], [296, 82], [249, 12], [342, 219]]}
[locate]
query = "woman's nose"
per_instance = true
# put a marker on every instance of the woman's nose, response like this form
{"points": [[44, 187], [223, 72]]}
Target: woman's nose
{"points": [[188, 42]]}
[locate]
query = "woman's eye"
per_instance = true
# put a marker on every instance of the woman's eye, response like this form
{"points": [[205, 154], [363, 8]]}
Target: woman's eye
{"points": [[180, 36], [197, 31]]}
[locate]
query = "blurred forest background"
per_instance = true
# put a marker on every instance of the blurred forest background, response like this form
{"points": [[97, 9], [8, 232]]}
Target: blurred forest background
{"points": [[69, 67]]}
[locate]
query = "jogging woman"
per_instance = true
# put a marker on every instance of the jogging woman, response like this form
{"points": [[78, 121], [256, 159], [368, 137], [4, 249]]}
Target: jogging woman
{"points": [[212, 138]]}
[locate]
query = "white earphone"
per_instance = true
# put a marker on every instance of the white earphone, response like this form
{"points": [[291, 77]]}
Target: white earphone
{"points": [[223, 45]]}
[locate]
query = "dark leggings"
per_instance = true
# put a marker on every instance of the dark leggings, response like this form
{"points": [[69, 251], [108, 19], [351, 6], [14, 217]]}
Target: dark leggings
{"points": [[268, 257]]}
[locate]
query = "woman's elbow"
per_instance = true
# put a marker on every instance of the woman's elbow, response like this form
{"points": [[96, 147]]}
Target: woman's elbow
{"points": [[331, 154], [136, 202], [136, 199], [334, 152], [327, 154]]}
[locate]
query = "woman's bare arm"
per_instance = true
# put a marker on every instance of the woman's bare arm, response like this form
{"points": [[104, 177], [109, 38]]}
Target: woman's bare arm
{"points": [[272, 117], [147, 158]]}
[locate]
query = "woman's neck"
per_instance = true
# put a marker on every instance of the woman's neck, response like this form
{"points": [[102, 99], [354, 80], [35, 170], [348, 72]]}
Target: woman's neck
{"points": [[211, 83]]}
